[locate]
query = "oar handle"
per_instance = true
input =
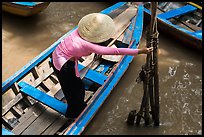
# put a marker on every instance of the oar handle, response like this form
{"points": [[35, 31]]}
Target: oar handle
{"points": [[111, 43]]}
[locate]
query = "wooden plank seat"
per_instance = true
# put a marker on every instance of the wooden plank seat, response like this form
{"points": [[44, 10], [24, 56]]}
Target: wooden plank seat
{"points": [[44, 119], [94, 76], [177, 12], [43, 97], [40, 120], [91, 74], [48, 100]]}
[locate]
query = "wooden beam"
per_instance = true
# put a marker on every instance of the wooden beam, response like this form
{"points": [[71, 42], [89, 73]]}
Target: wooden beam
{"points": [[43, 97]]}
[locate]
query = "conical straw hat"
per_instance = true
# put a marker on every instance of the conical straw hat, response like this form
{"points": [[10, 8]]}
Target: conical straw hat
{"points": [[96, 27]]}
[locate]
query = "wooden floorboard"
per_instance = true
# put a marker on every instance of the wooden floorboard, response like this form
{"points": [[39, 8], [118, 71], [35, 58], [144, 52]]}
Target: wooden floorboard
{"points": [[123, 19], [42, 122], [28, 118], [56, 125], [88, 94]]}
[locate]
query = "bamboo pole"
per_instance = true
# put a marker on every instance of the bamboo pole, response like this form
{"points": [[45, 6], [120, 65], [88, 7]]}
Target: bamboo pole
{"points": [[150, 72], [150, 78], [155, 61], [144, 99]]}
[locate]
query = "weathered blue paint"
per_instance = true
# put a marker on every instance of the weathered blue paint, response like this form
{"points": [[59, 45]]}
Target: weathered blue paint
{"points": [[194, 34], [94, 76], [139, 25], [26, 3], [106, 66], [87, 115], [177, 12], [198, 34], [80, 125], [43, 97], [6, 132]]}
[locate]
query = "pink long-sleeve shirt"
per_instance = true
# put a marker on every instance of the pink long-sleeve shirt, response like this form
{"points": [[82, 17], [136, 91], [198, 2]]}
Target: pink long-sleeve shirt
{"points": [[74, 46]]}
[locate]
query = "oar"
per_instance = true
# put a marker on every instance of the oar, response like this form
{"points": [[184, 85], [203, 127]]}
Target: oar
{"points": [[97, 57], [92, 63]]}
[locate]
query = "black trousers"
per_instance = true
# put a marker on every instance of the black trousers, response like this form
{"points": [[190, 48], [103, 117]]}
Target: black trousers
{"points": [[73, 89]]}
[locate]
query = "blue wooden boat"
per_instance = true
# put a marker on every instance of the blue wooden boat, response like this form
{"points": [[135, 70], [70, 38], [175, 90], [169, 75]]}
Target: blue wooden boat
{"points": [[33, 103], [181, 20], [24, 8]]}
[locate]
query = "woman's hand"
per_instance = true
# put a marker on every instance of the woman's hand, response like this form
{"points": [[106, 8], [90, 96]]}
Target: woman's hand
{"points": [[145, 50]]}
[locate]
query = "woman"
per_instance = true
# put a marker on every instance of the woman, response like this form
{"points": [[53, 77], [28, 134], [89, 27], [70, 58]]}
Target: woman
{"points": [[94, 30]]}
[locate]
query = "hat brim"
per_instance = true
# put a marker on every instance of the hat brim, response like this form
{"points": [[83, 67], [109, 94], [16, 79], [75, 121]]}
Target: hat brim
{"points": [[96, 27]]}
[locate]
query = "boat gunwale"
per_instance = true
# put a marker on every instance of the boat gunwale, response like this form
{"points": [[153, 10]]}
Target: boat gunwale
{"points": [[23, 10], [171, 24], [16, 5]]}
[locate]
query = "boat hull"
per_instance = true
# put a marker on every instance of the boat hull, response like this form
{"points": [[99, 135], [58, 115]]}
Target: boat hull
{"points": [[100, 82], [24, 10], [177, 33]]}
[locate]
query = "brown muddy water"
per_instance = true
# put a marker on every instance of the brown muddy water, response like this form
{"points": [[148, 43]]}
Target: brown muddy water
{"points": [[180, 72]]}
